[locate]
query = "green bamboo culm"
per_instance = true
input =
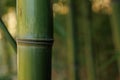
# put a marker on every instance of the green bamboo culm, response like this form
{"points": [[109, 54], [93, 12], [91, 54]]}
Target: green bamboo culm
{"points": [[82, 17], [85, 24], [115, 20], [8, 35], [70, 44], [34, 40]]}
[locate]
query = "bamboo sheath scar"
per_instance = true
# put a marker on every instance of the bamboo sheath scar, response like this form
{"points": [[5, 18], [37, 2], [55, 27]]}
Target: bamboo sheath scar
{"points": [[35, 39]]}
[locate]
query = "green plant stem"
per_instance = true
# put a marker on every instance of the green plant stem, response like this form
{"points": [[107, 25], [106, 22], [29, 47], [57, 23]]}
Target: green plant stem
{"points": [[115, 20], [88, 49], [8, 35], [34, 40], [71, 46], [82, 13]]}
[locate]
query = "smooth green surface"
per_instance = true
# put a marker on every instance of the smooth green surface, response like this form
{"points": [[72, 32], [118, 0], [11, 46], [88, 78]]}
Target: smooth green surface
{"points": [[34, 19], [34, 23], [34, 62]]}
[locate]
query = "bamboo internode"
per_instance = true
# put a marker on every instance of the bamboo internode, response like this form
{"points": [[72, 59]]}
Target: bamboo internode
{"points": [[35, 38]]}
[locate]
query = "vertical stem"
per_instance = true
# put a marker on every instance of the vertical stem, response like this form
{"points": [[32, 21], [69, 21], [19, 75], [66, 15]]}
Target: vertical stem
{"points": [[70, 51], [86, 27], [34, 41], [115, 18], [82, 14], [8, 35], [71, 46]]}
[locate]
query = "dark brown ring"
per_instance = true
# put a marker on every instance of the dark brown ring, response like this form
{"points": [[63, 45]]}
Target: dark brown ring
{"points": [[36, 42]]}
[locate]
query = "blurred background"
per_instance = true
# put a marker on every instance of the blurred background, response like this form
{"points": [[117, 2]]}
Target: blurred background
{"points": [[86, 40]]}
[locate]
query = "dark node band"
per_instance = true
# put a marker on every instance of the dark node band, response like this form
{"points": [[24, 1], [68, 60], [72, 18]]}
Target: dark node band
{"points": [[35, 42]]}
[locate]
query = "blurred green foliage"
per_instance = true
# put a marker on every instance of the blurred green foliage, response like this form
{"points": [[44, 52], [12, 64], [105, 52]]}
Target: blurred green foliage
{"points": [[5, 4], [102, 44]]}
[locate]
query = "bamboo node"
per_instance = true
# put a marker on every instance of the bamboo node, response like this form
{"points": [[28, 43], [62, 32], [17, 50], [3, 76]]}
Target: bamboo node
{"points": [[43, 42]]}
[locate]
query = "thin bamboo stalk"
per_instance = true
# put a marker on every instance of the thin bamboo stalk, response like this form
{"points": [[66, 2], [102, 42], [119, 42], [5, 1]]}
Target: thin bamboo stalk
{"points": [[34, 41], [82, 14], [8, 35], [86, 27], [115, 18], [71, 47], [103, 47]]}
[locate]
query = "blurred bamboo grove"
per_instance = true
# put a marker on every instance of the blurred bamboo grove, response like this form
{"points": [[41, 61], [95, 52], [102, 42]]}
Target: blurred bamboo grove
{"points": [[86, 40]]}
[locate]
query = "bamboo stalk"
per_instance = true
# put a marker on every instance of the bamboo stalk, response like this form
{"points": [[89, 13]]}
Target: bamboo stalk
{"points": [[86, 27], [2, 53], [115, 18], [8, 35], [5, 57], [34, 41], [82, 13], [71, 46]]}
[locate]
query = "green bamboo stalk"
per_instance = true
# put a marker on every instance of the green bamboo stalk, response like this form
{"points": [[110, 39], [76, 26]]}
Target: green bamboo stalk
{"points": [[82, 14], [103, 47], [86, 27], [115, 20], [34, 40], [8, 35], [70, 43]]}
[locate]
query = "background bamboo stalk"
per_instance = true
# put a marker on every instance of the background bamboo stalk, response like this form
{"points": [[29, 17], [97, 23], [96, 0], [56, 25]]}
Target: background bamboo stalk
{"points": [[103, 47], [82, 20], [115, 18], [35, 36], [88, 49], [8, 35], [70, 39]]}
